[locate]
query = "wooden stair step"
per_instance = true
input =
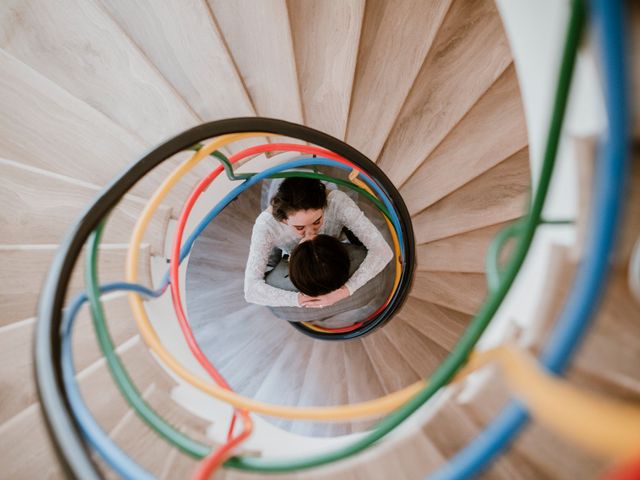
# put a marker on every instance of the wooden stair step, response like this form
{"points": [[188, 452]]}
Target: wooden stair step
{"points": [[115, 74], [465, 252], [41, 207], [141, 443], [463, 292], [16, 353], [473, 146], [186, 35], [81, 142], [498, 195], [246, 370], [440, 324], [423, 354], [284, 382], [27, 268], [608, 357], [451, 429], [102, 396], [325, 40], [259, 39], [552, 455], [362, 380], [24, 437], [394, 372], [324, 384], [469, 52], [389, 58]]}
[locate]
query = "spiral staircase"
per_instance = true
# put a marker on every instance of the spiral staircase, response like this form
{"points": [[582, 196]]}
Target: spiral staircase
{"points": [[426, 90]]}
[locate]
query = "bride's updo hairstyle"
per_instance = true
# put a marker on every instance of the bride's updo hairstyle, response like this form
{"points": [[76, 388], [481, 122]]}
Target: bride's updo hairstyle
{"points": [[297, 193], [319, 266]]}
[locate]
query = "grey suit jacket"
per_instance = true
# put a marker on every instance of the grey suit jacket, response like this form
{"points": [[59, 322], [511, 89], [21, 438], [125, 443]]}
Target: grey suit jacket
{"points": [[366, 300]]}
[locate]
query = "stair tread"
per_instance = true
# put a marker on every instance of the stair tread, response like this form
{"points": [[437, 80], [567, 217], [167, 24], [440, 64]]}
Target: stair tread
{"points": [[27, 267], [326, 59], [443, 288], [442, 325], [473, 146], [498, 195], [385, 70], [470, 35]]}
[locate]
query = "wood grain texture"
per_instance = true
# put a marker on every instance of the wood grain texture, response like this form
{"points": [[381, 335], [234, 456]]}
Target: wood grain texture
{"points": [[100, 393], [395, 39], [325, 40], [142, 444], [423, 354], [493, 130], [76, 45], [394, 372], [609, 355], [463, 292], [324, 384], [27, 269], [468, 54], [26, 449], [291, 364], [46, 127], [39, 208], [184, 43], [498, 195], [16, 346], [258, 36], [452, 429], [550, 454], [441, 325], [147, 447], [460, 253]]}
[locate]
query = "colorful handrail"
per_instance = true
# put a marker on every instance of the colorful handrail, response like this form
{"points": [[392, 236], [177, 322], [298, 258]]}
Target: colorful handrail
{"points": [[605, 213], [555, 355]]}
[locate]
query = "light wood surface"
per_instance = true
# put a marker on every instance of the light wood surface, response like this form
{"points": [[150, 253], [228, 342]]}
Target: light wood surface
{"points": [[443, 288], [499, 195], [141, 443], [39, 208], [460, 253], [396, 37], [452, 418], [393, 370], [183, 42], [28, 267], [551, 455], [94, 61], [325, 39], [442, 325], [468, 54], [76, 140], [102, 396], [145, 446], [258, 36], [609, 354], [492, 130], [419, 351], [16, 353], [324, 383], [26, 448]]}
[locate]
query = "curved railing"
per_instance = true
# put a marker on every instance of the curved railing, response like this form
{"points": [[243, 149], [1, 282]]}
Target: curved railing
{"points": [[70, 422]]}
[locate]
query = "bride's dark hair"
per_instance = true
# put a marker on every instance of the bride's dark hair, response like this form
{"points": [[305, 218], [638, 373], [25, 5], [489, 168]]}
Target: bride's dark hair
{"points": [[298, 193]]}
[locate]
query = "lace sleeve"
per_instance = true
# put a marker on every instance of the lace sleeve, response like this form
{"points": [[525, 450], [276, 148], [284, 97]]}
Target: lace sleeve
{"points": [[378, 252], [255, 288]]}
